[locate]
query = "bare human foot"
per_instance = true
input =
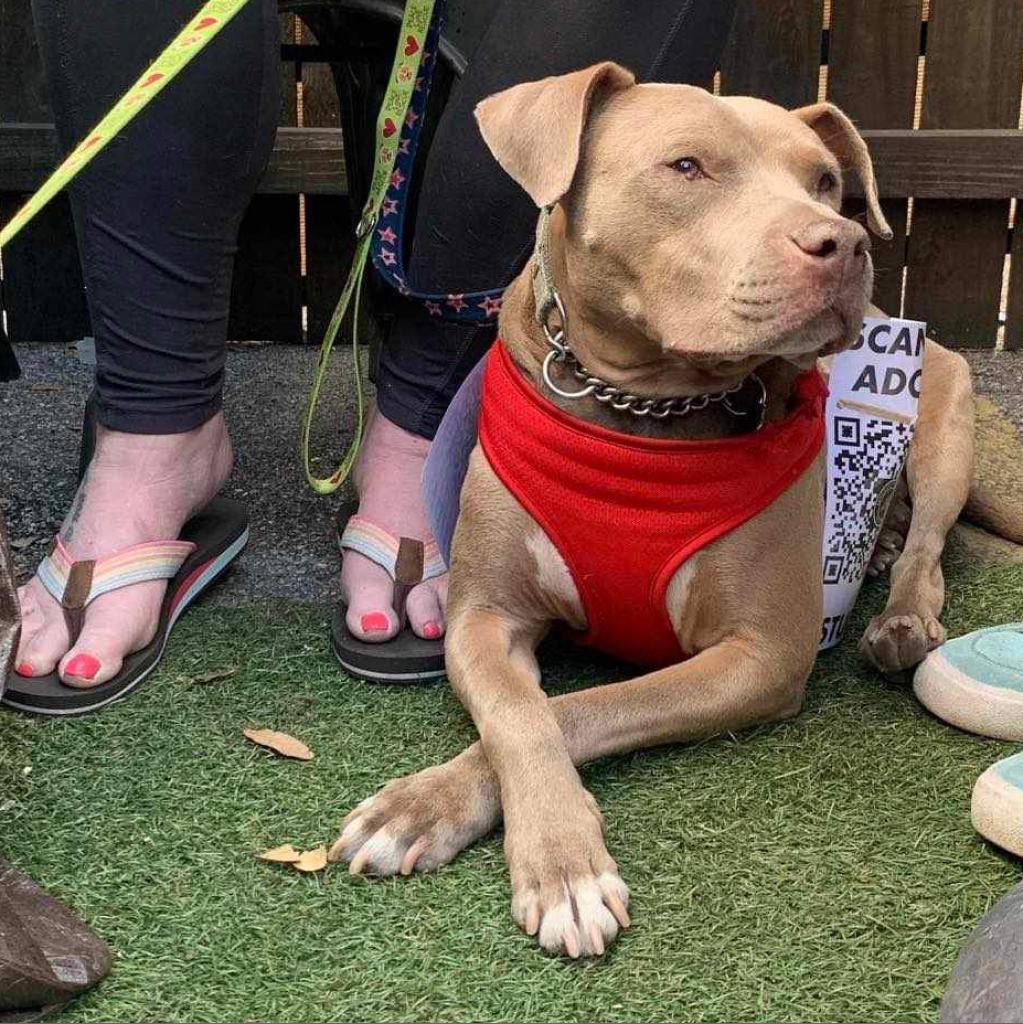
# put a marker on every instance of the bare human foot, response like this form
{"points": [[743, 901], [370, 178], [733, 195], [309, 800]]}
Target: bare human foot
{"points": [[138, 488], [388, 478]]}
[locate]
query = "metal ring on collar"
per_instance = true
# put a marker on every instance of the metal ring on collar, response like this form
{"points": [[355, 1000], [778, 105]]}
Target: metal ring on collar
{"points": [[366, 224], [555, 356], [760, 407]]}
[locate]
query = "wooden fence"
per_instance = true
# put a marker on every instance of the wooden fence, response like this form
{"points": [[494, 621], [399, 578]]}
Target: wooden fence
{"points": [[934, 84]]}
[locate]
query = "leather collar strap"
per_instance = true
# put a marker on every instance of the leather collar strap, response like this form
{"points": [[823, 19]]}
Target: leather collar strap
{"points": [[545, 295]]}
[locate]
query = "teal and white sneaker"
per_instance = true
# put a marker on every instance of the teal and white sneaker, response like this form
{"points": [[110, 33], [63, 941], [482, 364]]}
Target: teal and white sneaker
{"points": [[975, 682], [997, 807]]}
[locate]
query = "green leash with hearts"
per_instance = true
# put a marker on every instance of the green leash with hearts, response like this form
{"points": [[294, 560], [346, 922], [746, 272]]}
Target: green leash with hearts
{"points": [[408, 58], [196, 35]]}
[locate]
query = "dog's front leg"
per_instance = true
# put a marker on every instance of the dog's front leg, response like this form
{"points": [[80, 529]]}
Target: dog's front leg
{"points": [[938, 471], [423, 820], [565, 885]]}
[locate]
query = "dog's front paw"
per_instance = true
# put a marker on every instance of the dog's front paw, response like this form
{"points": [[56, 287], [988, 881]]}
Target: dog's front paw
{"points": [[422, 821], [566, 889], [894, 643]]}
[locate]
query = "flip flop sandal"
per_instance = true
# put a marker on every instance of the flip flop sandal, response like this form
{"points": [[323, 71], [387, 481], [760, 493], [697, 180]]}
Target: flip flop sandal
{"points": [[406, 658], [209, 542]]}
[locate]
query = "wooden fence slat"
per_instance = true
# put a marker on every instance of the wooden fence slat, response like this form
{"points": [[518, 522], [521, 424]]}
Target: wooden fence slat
{"points": [[1014, 310], [774, 51], [329, 242], [329, 247], [289, 74], [266, 294], [957, 249], [43, 294], [872, 70], [303, 160], [23, 94], [980, 163], [42, 290], [872, 60], [321, 107]]}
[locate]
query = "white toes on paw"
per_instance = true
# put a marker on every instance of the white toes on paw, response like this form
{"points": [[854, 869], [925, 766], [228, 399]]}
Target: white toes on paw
{"points": [[349, 840], [526, 911], [596, 923], [381, 854], [431, 851], [585, 924], [615, 894], [558, 931]]}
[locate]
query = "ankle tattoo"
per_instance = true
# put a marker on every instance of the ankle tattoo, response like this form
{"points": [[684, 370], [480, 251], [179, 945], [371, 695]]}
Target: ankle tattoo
{"points": [[67, 530]]}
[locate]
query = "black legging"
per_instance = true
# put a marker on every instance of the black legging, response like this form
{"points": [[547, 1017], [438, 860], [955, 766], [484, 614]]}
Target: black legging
{"points": [[157, 214]]}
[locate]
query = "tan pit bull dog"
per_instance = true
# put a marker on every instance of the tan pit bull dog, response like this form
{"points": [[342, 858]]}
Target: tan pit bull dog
{"points": [[694, 240]]}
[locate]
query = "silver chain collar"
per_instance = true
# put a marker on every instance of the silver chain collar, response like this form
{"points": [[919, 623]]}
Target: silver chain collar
{"points": [[624, 401]]}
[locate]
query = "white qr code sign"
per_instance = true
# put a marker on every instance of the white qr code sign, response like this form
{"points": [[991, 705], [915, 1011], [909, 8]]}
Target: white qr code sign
{"points": [[871, 413]]}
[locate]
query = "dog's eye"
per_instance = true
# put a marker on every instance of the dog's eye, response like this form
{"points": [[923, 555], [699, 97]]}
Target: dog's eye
{"points": [[689, 167], [827, 182]]}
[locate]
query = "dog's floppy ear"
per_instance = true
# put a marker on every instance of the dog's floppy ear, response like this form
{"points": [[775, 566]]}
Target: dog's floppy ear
{"points": [[839, 134], [535, 129]]}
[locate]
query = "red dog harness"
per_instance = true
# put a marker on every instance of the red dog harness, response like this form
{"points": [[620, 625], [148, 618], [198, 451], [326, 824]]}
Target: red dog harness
{"points": [[625, 512]]}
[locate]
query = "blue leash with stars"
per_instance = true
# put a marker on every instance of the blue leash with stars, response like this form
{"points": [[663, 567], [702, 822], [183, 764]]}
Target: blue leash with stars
{"points": [[387, 251]]}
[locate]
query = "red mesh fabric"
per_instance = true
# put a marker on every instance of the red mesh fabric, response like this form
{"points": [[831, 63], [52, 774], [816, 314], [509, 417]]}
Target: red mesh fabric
{"points": [[625, 512]]}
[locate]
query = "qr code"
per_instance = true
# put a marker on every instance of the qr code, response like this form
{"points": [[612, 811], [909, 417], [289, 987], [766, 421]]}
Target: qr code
{"points": [[865, 457]]}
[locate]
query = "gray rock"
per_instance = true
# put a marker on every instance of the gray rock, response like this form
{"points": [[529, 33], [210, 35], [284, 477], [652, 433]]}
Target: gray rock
{"points": [[986, 983], [47, 953]]}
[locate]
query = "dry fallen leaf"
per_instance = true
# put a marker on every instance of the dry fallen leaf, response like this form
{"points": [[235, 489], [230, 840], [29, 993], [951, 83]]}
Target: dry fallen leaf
{"points": [[216, 675], [43, 388], [280, 742], [286, 854], [22, 542], [312, 860]]}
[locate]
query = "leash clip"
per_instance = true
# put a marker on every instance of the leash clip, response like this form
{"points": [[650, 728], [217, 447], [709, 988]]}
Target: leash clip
{"points": [[365, 225]]}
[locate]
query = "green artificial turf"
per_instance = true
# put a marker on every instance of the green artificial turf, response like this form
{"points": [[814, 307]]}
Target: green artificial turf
{"points": [[823, 869]]}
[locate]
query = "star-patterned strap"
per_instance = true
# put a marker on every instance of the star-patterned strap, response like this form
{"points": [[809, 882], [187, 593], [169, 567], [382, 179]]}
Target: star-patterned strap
{"points": [[382, 546], [78, 583], [387, 249]]}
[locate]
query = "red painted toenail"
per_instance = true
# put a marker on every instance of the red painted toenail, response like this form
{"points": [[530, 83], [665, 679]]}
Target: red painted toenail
{"points": [[431, 630], [25, 669], [374, 622], [84, 666]]}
